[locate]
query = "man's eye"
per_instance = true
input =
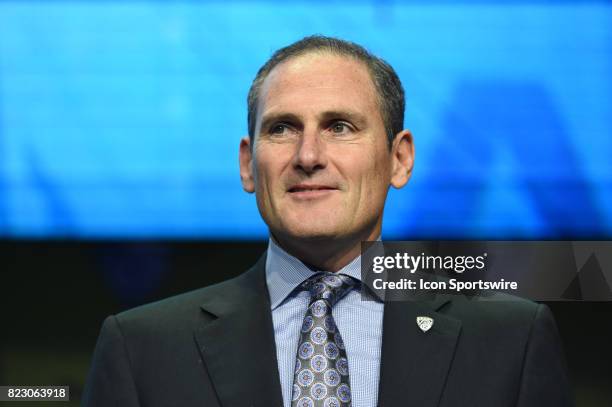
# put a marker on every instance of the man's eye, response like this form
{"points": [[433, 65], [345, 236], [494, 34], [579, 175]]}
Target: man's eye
{"points": [[279, 129], [339, 128]]}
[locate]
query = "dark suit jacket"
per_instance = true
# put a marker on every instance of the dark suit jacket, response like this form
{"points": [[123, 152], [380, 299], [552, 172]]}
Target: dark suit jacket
{"points": [[215, 347]]}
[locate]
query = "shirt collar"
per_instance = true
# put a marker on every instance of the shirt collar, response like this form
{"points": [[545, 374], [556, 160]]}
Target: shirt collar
{"points": [[285, 272]]}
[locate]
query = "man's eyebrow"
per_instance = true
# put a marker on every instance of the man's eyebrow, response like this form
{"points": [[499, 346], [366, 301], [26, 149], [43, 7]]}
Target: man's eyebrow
{"points": [[268, 119], [354, 117]]}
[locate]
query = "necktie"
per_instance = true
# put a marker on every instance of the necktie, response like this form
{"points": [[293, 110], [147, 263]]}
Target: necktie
{"points": [[321, 372]]}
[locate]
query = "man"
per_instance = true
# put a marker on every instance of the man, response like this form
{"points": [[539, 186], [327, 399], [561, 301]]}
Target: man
{"points": [[326, 141]]}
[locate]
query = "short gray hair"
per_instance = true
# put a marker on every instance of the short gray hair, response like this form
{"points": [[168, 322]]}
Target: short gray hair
{"points": [[386, 81]]}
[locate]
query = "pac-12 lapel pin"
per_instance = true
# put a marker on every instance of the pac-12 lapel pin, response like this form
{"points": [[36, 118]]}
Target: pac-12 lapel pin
{"points": [[425, 323]]}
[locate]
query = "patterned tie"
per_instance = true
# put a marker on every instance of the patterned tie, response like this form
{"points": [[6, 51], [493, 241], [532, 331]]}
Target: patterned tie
{"points": [[321, 370]]}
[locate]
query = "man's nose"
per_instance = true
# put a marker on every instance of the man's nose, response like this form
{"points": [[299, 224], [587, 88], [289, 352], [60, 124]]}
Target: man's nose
{"points": [[310, 155]]}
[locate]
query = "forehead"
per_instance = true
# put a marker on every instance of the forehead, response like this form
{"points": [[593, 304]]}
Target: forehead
{"points": [[318, 82]]}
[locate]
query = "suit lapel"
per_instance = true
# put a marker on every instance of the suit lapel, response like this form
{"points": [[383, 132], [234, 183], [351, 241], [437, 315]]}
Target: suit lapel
{"points": [[414, 364], [238, 346]]}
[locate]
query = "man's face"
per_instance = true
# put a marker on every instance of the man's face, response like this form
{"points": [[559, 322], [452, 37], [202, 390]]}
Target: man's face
{"points": [[320, 164]]}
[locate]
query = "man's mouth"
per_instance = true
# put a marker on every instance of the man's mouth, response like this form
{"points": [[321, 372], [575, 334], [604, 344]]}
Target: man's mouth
{"points": [[308, 188], [310, 191]]}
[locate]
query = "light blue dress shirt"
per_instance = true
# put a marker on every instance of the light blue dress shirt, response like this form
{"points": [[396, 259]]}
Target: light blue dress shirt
{"points": [[359, 323]]}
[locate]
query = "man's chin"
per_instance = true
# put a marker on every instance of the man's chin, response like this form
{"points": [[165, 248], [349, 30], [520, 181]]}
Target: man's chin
{"points": [[311, 233], [315, 235]]}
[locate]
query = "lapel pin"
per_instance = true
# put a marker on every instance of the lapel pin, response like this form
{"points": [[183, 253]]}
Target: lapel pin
{"points": [[425, 323]]}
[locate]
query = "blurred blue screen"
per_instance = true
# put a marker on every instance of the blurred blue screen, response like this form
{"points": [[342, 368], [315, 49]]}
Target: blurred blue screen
{"points": [[122, 119]]}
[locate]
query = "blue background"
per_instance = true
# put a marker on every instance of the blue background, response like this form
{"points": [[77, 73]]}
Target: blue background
{"points": [[122, 119]]}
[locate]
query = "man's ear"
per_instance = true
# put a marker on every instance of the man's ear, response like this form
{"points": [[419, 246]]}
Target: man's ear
{"points": [[402, 158], [245, 157]]}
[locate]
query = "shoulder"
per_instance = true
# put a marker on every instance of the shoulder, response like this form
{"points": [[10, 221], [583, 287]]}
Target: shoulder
{"points": [[491, 305], [494, 307], [184, 311], [182, 307], [501, 318]]}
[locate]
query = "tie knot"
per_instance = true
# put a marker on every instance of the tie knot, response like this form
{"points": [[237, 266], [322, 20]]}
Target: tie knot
{"points": [[328, 286]]}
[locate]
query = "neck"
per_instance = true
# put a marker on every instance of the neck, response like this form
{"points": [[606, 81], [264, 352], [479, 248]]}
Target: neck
{"points": [[325, 253]]}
